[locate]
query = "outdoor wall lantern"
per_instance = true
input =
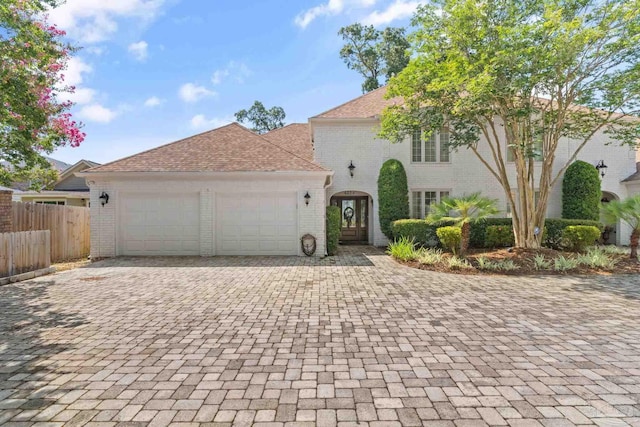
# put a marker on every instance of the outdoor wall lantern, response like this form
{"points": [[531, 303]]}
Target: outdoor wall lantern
{"points": [[351, 168], [104, 198], [602, 168], [307, 197]]}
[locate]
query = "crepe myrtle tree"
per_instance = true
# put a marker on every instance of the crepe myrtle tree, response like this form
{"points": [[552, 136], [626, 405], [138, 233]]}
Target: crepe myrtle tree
{"points": [[528, 73], [34, 107]]}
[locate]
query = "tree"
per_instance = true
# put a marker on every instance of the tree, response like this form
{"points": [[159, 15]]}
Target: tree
{"points": [[263, 120], [374, 53], [393, 195], [528, 73], [627, 210], [34, 116], [581, 192], [462, 212]]}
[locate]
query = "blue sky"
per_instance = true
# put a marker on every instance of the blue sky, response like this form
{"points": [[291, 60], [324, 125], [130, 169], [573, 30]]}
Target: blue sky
{"points": [[153, 71]]}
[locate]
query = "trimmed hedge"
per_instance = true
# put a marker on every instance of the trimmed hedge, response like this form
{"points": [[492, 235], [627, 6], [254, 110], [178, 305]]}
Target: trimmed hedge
{"points": [[499, 236], [581, 192], [450, 237], [479, 230], [333, 229], [578, 237], [393, 195], [554, 227]]}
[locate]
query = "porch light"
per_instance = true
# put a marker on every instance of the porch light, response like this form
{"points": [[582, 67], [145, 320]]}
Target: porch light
{"points": [[307, 197], [104, 198], [351, 168], [602, 168]]}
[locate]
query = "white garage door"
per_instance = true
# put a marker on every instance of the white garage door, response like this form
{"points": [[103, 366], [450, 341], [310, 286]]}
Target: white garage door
{"points": [[159, 224], [257, 224]]}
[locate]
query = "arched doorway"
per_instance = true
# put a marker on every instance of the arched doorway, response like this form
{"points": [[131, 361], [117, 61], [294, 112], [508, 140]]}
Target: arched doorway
{"points": [[356, 215], [610, 234]]}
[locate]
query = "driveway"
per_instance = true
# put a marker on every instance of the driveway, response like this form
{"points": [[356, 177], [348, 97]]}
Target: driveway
{"points": [[356, 339]]}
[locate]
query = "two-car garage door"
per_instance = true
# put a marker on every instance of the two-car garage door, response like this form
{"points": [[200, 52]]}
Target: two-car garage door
{"points": [[244, 224]]}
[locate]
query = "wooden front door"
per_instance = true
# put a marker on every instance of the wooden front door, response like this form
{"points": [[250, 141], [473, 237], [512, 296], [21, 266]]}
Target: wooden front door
{"points": [[354, 212]]}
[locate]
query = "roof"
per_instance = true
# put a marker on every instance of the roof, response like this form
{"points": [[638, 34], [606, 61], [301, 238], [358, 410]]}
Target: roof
{"points": [[231, 148], [369, 105], [295, 138], [81, 165], [56, 193], [635, 176]]}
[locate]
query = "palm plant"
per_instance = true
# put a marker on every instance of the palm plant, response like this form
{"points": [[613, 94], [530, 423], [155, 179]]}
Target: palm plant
{"points": [[627, 210], [462, 212]]}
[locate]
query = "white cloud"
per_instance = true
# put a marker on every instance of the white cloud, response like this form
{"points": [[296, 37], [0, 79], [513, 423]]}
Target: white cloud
{"points": [[190, 92], [199, 122], [400, 9], [93, 21], [97, 113], [332, 7], [74, 76], [82, 95], [239, 71], [154, 101], [139, 50]]}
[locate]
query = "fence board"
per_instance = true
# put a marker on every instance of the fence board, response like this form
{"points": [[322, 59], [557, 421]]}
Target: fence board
{"points": [[69, 226], [24, 251]]}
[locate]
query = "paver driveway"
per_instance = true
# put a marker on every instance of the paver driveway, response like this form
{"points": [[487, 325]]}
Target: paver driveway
{"points": [[357, 339]]}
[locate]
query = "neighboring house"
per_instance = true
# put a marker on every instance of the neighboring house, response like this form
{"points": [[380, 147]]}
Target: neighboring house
{"points": [[69, 190], [228, 191], [58, 165], [232, 192]]}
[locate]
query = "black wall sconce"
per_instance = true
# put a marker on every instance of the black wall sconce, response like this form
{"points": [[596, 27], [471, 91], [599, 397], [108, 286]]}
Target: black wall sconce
{"points": [[307, 197], [104, 198], [351, 168], [602, 168]]}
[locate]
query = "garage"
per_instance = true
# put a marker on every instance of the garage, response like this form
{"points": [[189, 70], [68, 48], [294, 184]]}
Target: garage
{"points": [[257, 224], [159, 224]]}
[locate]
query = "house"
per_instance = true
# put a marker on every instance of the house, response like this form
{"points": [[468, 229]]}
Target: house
{"points": [[232, 192], [69, 190]]}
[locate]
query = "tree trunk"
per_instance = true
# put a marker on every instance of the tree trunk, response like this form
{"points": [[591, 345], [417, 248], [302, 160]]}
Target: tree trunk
{"points": [[633, 244], [465, 231]]}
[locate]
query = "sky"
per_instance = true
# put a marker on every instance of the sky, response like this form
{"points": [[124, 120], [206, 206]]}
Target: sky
{"points": [[149, 72]]}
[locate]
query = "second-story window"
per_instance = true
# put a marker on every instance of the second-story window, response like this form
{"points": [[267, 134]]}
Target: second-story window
{"points": [[432, 149]]}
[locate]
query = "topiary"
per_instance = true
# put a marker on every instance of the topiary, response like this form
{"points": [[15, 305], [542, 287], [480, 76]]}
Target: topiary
{"points": [[333, 229], [450, 237], [393, 195], [578, 237], [581, 192]]}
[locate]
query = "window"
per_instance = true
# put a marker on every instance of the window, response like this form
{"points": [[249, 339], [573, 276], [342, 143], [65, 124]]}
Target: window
{"points": [[422, 200], [50, 202], [433, 149], [537, 156]]}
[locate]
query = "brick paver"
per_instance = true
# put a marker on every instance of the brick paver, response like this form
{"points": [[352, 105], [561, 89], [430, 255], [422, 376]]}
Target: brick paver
{"points": [[352, 340]]}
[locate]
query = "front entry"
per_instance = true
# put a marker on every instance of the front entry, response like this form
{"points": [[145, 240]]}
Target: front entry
{"points": [[354, 212]]}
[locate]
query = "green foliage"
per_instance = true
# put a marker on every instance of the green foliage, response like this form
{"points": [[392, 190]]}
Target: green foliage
{"points": [[450, 237], [261, 119], [554, 228], [393, 195], [598, 259], [581, 192], [456, 263], [541, 263], [421, 232], [500, 265], [499, 236], [430, 256], [374, 53], [562, 263], [403, 249], [627, 210], [333, 229], [578, 237]]}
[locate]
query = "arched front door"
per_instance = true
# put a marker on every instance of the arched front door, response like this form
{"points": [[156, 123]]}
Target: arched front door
{"points": [[354, 212]]}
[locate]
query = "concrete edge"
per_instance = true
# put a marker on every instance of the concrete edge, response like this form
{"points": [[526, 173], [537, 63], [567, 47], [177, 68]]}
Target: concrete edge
{"points": [[26, 276]]}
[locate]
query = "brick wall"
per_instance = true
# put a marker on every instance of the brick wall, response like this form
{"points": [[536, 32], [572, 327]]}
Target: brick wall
{"points": [[6, 219]]}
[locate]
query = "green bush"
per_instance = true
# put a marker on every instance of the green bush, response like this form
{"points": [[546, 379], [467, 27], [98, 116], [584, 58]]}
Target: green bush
{"points": [[554, 227], [499, 236], [578, 237], [403, 249], [450, 237], [393, 195], [422, 233], [333, 229], [479, 230], [581, 192]]}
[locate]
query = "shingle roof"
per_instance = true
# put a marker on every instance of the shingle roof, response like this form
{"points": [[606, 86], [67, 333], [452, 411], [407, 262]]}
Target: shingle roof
{"points": [[369, 105], [295, 138], [231, 148]]}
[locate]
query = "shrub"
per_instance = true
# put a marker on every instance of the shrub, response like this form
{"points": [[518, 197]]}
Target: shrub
{"points": [[393, 195], [499, 236], [403, 249], [563, 264], [597, 258], [578, 237], [333, 229], [430, 256], [581, 192], [552, 236], [541, 263], [419, 230], [479, 230], [450, 237], [456, 263]]}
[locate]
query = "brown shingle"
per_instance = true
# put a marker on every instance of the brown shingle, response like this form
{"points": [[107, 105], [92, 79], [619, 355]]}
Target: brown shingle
{"points": [[295, 138], [231, 148], [369, 105]]}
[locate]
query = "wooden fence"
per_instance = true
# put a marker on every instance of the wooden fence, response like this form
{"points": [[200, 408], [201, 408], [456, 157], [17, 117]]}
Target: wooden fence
{"points": [[24, 251], [69, 226]]}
